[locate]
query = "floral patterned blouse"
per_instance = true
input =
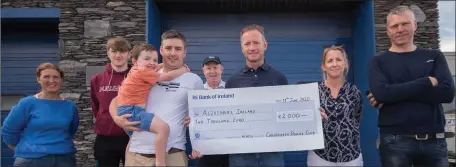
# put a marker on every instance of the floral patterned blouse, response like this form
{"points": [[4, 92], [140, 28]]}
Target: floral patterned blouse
{"points": [[342, 129]]}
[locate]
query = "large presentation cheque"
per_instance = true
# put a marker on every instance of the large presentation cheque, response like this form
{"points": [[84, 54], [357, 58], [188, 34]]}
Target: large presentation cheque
{"points": [[256, 119]]}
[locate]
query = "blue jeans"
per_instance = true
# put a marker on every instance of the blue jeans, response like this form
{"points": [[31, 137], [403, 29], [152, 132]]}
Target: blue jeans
{"points": [[52, 160], [398, 151], [137, 114], [257, 159]]}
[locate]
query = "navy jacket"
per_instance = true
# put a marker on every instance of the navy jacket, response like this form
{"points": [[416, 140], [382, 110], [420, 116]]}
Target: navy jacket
{"points": [[411, 104]]}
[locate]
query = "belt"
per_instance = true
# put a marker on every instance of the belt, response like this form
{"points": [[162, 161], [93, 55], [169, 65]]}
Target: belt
{"points": [[171, 151], [430, 136]]}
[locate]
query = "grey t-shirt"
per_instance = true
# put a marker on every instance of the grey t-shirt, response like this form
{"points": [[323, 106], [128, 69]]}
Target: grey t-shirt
{"points": [[170, 104]]}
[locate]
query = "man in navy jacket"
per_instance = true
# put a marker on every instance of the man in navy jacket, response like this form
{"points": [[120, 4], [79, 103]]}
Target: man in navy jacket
{"points": [[410, 84]]}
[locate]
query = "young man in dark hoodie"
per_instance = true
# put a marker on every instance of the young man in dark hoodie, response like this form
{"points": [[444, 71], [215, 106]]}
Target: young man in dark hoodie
{"points": [[111, 140]]}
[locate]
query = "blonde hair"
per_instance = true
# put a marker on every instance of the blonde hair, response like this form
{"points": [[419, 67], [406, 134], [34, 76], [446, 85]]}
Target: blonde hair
{"points": [[335, 48], [118, 44]]}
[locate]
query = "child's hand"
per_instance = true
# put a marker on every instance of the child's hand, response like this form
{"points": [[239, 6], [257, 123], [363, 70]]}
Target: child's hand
{"points": [[187, 121], [159, 66]]}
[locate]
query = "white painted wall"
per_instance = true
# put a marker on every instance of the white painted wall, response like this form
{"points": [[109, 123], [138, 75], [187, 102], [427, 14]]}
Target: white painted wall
{"points": [[451, 58], [450, 117], [450, 127]]}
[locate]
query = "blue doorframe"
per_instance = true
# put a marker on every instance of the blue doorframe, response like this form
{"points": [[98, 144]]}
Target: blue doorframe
{"points": [[34, 13], [153, 25], [363, 49]]}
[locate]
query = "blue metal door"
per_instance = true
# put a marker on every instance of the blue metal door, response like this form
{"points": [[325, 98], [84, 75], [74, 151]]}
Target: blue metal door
{"points": [[296, 41], [25, 45], [295, 44], [7, 153]]}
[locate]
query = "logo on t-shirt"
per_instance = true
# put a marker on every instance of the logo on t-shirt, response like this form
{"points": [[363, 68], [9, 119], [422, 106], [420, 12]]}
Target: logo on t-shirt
{"points": [[169, 86], [109, 88]]}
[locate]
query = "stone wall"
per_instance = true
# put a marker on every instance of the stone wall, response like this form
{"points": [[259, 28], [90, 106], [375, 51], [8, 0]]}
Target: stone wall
{"points": [[427, 35], [86, 25], [30, 3], [84, 29]]}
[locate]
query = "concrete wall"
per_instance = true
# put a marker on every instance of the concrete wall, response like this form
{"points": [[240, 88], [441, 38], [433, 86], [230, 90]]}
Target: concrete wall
{"points": [[450, 108], [451, 60]]}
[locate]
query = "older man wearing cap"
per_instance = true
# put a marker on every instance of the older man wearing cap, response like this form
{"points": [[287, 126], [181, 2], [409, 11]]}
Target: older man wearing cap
{"points": [[212, 69]]}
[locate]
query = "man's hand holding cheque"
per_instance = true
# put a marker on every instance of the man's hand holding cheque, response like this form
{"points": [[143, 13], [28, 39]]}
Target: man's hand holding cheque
{"points": [[254, 120]]}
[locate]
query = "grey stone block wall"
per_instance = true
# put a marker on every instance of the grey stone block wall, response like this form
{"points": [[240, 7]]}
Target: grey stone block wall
{"points": [[427, 35], [84, 29], [30, 3]]}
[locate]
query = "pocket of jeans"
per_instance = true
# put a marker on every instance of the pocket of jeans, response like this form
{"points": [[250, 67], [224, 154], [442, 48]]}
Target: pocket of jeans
{"points": [[23, 161], [389, 139], [442, 143]]}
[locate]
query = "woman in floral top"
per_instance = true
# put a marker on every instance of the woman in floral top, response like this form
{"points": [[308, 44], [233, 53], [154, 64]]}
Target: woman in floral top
{"points": [[343, 105]]}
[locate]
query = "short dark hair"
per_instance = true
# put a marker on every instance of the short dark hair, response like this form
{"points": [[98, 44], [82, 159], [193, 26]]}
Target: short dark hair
{"points": [[137, 49], [173, 34]]}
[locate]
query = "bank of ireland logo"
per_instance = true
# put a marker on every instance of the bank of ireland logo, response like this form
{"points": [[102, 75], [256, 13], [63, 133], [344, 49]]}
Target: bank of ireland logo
{"points": [[197, 135], [195, 97]]}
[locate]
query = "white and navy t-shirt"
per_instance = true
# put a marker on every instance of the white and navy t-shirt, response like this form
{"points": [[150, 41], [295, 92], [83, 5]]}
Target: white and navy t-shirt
{"points": [[169, 102]]}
